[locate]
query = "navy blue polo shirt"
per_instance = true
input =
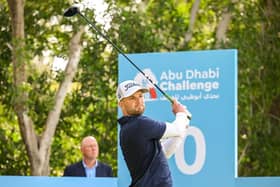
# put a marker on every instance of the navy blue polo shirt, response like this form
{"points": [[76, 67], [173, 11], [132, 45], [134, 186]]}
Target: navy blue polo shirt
{"points": [[138, 137]]}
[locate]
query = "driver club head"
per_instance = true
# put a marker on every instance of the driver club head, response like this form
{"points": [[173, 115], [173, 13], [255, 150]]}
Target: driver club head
{"points": [[71, 11]]}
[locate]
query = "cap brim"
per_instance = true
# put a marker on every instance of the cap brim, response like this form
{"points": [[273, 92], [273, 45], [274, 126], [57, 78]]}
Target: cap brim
{"points": [[143, 90]]}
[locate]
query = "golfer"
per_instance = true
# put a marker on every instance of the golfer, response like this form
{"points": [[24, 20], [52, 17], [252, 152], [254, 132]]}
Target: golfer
{"points": [[146, 143]]}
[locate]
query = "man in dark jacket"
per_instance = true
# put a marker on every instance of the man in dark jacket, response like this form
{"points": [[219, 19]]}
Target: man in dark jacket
{"points": [[146, 143], [89, 166]]}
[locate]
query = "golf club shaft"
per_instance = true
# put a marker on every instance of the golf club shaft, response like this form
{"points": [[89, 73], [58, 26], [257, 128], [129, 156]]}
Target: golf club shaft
{"points": [[74, 10], [125, 56]]}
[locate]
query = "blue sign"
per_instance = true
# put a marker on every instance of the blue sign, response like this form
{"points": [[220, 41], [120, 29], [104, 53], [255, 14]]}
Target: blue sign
{"points": [[206, 82], [40, 181]]}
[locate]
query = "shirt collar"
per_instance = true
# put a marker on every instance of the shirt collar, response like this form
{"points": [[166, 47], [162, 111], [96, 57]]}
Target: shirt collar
{"points": [[85, 166]]}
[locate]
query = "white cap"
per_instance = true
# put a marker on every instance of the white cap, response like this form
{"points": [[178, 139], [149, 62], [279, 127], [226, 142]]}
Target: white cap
{"points": [[128, 88]]}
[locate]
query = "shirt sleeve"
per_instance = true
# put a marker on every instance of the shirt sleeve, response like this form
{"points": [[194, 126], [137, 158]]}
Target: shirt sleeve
{"points": [[152, 129]]}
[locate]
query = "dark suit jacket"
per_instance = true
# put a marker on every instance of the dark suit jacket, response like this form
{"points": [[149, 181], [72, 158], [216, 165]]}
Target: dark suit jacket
{"points": [[78, 170]]}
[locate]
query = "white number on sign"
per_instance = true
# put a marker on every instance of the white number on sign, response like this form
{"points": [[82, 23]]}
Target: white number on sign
{"points": [[200, 152]]}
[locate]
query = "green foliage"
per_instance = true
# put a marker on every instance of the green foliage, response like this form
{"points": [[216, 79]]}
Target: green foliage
{"points": [[5, 55], [256, 35], [12, 151]]}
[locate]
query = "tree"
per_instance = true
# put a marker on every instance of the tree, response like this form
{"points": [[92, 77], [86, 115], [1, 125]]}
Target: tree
{"points": [[55, 113], [257, 37], [37, 146]]}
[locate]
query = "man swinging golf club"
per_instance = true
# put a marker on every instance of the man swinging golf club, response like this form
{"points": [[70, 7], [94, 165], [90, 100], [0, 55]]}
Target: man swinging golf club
{"points": [[146, 143]]}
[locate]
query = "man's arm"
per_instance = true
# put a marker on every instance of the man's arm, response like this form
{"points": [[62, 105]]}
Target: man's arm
{"points": [[175, 131], [170, 145], [177, 127]]}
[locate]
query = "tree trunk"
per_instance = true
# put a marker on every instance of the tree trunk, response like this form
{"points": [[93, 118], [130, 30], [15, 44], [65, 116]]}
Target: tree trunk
{"points": [[194, 10], [38, 148], [20, 76], [54, 114], [223, 25]]}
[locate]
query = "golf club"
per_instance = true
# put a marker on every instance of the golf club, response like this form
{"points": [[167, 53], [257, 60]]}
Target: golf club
{"points": [[75, 10]]}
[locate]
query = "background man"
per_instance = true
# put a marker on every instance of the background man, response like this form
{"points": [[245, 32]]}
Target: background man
{"points": [[89, 166]]}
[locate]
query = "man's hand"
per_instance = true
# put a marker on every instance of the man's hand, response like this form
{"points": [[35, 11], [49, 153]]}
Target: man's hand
{"points": [[178, 107]]}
